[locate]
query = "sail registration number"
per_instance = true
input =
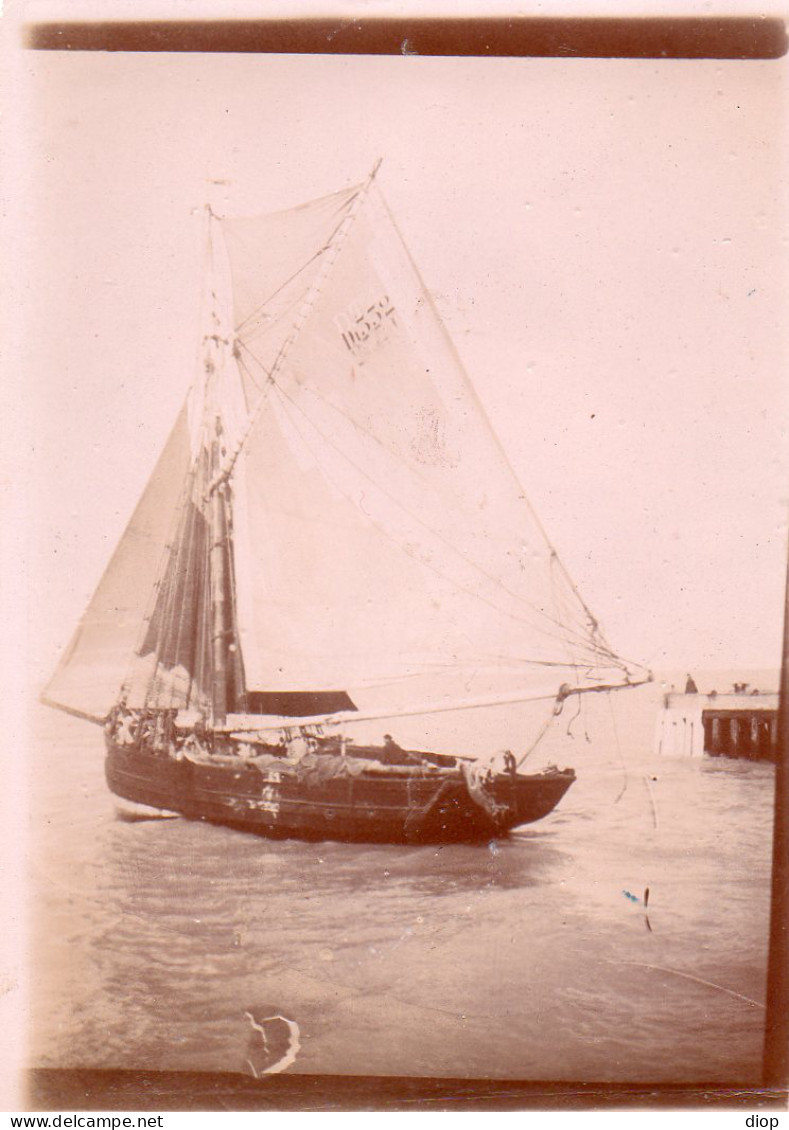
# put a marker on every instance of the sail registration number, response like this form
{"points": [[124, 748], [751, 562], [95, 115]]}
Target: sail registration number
{"points": [[362, 328]]}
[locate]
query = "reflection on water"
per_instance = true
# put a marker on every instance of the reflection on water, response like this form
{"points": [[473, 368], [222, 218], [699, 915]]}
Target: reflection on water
{"points": [[529, 957]]}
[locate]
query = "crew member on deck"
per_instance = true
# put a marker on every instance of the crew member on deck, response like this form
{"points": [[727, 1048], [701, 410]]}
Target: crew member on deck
{"points": [[297, 747], [199, 741], [169, 730], [111, 721], [121, 724], [396, 752]]}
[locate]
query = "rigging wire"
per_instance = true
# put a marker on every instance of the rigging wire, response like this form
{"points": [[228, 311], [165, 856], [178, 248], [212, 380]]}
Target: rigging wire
{"points": [[264, 328], [247, 370], [316, 255], [292, 278], [349, 193], [568, 609], [568, 730], [555, 712]]}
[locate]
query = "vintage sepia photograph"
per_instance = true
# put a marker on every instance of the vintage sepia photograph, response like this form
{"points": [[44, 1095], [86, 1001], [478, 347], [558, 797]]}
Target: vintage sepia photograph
{"points": [[406, 548]]}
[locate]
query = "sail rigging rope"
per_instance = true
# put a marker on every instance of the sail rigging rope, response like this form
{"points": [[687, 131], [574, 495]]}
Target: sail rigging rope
{"points": [[348, 203], [291, 310], [557, 709], [243, 365], [321, 250], [262, 305]]}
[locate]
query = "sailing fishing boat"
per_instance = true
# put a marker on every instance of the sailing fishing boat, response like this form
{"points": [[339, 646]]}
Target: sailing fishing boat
{"points": [[332, 515]]}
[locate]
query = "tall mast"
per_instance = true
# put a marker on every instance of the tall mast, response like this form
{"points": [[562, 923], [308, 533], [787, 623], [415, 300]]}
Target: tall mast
{"points": [[218, 568], [220, 618]]}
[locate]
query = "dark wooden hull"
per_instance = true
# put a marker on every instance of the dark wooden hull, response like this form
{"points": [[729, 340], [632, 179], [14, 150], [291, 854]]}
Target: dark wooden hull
{"points": [[391, 806]]}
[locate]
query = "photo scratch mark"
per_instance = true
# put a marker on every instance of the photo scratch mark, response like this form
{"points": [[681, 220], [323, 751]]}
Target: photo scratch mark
{"points": [[273, 1044], [690, 977], [652, 802], [644, 901]]}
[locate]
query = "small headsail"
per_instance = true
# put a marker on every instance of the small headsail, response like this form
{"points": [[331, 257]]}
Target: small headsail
{"points": [[100, 657]]}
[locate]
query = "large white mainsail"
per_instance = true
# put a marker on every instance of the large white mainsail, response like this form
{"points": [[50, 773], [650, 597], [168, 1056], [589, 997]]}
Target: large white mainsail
{"points": [[386, 539], [375, 536]]}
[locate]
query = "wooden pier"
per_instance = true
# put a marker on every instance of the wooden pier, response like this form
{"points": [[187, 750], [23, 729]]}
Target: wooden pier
{"points": [[720, 725]]}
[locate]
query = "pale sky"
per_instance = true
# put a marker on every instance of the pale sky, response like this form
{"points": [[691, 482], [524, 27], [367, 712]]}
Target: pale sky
{"points": [[606, 241]]}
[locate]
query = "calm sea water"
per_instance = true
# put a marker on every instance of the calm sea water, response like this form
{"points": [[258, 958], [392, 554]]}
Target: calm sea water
{"points": [[525, 958]]}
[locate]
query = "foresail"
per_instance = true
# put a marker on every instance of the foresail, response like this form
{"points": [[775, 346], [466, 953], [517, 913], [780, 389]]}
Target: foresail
{"points": [[100, 656], [381, 536]]}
